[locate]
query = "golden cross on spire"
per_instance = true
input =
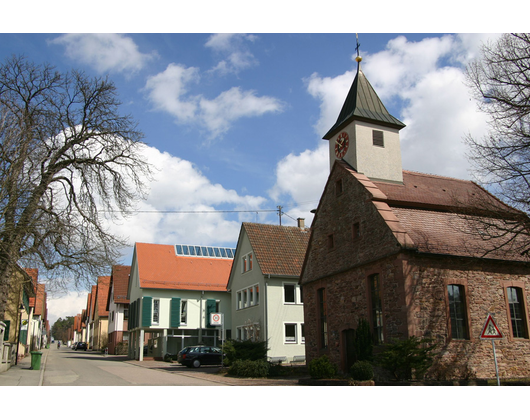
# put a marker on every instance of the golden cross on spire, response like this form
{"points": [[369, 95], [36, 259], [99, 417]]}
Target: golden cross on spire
{"points": [[358, 58]]}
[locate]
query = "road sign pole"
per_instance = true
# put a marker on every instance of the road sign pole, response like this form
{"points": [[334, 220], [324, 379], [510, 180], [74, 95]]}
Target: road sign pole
{"points": [[496, 367], [491, 331]]}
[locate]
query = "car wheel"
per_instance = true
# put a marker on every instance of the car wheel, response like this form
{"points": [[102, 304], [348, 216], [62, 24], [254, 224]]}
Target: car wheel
{"points": [[196, 363]]}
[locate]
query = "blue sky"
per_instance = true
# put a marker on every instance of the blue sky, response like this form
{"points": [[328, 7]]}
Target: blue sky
{"points": [[234, 121]]}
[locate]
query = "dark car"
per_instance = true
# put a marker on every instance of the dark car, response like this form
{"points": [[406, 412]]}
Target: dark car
{"points": [[81, 346], [200, 355]]}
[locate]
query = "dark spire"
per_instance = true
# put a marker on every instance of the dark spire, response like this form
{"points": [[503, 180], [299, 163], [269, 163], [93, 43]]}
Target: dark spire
{"points": [[363, 104]]}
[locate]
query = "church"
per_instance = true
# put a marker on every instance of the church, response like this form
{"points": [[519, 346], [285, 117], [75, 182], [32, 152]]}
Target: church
{"points": [[414, 254]]}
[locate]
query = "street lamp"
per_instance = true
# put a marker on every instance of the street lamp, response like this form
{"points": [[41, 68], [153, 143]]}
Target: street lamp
{"points": [[21, 311]]}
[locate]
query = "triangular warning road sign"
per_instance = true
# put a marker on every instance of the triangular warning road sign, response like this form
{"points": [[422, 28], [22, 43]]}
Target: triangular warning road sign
{"points": [[490, 330]]}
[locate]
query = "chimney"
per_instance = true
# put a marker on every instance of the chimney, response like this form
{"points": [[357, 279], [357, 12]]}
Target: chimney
{"points": [[301, 223]]}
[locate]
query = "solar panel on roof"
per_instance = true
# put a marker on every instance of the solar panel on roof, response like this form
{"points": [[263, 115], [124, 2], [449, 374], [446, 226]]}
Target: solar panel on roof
{"points": [[204, 251]]}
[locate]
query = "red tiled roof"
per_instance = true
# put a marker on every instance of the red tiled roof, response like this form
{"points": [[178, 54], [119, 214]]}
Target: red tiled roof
{"points": [[120, 280], [160, 268], [440, 215], [40, 304], [279, 250], [102, 295]]}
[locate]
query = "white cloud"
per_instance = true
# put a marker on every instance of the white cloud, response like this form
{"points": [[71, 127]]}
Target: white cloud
{"points": [[70, 304], [234, 48], [104, 52], [168, 91], [180, 187]]}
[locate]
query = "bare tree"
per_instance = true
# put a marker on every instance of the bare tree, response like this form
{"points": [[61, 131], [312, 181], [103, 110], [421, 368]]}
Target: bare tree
{"points": [[66, 155], [500, 82]]}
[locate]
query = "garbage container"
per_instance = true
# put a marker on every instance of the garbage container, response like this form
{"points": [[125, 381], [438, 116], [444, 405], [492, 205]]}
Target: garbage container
{"points": [[35, 360]]}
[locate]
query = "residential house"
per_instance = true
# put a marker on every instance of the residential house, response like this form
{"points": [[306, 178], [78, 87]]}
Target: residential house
{"points": [[266, 297], [90, 315], [118, 309], [173, 290], [38, 320], [101, 314], [18, 312], [403, 250], [77, 329]]}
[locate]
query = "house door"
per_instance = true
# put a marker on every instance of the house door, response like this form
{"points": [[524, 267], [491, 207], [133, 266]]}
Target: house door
{"points": [[348, 338]]}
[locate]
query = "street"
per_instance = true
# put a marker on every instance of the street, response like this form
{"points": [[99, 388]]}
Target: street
{"points": [[67, 367]]}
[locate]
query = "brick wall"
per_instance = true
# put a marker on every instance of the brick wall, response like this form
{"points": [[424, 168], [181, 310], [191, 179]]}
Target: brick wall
{"points": [[414, 289]]}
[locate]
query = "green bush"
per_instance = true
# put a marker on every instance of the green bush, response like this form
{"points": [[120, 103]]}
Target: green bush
{"points": [[362, 371], [404, 357], [322, 368], [244, 350], [249, 368]]}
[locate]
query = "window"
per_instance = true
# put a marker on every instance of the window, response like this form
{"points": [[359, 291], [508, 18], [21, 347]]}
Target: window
{"points": [[246, 263], [323, 323], [356, 230], [331, 242], [156, 311], [338, 187], [248, 297], [378, 139], [377, 309], [290, 333], [517, 312], [302, 333], [457, 311], [183, 312], [289, 293]]}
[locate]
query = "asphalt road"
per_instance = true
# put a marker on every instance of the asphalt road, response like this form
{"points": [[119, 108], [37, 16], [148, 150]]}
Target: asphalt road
{"points": [[67, 367]]}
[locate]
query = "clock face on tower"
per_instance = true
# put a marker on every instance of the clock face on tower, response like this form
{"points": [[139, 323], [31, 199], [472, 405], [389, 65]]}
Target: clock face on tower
{"points": [[341, 145]]}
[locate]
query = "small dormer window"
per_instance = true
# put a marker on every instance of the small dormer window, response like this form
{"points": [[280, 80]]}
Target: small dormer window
{"points": [[378, 139]]}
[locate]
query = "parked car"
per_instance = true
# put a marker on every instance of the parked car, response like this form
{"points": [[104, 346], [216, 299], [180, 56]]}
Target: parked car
{"points": [[200, 355], [81, 346]]}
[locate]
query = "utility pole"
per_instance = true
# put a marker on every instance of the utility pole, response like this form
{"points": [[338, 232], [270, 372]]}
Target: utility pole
{"points": [[280, 213]]}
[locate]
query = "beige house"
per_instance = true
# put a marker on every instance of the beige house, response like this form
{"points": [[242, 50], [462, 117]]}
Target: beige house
{"points": [[101, 314], [266, 298]]}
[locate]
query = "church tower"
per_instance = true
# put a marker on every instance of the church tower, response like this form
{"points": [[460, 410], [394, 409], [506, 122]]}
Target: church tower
{"points": [[365, 135]]}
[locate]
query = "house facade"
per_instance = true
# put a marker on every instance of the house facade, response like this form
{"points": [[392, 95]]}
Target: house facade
{"points": [[101, 314], [118, 309], [406, 252], [172, 291], [267, 303]]}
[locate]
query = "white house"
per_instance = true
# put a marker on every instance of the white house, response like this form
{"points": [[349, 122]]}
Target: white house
{"points": [[266, 299], [172, 291]]}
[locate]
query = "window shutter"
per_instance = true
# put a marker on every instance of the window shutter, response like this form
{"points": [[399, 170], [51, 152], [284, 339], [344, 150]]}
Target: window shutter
{"points": [[210, 308], [6, 332], [147, 303], [174, 322]]}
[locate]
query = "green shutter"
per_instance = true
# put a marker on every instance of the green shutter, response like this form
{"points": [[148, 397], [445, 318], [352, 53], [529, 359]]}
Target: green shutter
{"points": [[147, 303], [23, 337], [210, 308], [174, 322], [6, 332]]}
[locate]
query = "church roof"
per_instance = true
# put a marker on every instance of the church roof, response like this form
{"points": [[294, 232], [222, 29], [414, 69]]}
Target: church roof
{"points": [[446, 216], [363, 104]]}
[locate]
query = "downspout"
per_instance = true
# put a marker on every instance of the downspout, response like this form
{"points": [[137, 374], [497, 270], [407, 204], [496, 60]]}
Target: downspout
{"points": [[266, 305], [200, 318]]}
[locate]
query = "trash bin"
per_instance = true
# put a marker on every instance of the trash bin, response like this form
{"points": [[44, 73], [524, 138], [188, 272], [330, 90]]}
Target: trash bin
{"points": [[35, 360]]}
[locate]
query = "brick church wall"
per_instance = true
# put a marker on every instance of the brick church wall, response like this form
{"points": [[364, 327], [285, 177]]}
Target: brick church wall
{"points": [[414, 289]]}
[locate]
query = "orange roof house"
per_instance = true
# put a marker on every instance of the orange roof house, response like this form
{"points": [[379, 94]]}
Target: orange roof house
{"points": [[101, 315], [173, 288]]}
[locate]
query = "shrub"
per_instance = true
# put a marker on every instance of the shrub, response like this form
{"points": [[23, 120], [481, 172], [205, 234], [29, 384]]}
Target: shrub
{"points": [[245, 350], [249, 368], [403, 357], [362, 371], [322, 368]]}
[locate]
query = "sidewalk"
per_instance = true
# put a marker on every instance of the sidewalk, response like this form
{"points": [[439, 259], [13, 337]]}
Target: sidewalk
{"points": [[22, 375]]}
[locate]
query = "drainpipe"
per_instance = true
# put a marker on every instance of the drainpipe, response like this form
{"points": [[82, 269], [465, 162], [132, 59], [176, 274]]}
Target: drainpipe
{"points": [[265, 300], [200, 318]]}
